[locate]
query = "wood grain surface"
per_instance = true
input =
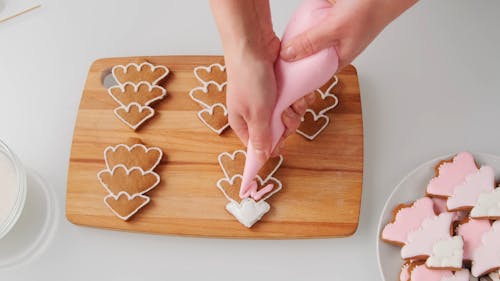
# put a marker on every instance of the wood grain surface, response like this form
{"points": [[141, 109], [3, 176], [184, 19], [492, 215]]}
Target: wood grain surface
{"points": [[322, 179]]}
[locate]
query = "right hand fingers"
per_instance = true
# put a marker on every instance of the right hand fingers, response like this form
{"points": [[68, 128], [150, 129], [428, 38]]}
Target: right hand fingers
{"points": [[239, 126]]}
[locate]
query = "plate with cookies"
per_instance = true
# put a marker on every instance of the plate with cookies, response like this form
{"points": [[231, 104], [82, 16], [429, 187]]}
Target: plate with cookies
{"points": [[442, 222]]}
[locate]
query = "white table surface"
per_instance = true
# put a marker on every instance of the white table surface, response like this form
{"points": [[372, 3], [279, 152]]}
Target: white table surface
{"points": [[430, 85]]}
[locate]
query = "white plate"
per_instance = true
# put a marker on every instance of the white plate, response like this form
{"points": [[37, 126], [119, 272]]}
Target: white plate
{"points": [[410, 188]]}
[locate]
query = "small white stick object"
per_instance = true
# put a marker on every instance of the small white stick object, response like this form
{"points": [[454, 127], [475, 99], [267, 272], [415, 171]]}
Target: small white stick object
{"points": [[20, 13]]}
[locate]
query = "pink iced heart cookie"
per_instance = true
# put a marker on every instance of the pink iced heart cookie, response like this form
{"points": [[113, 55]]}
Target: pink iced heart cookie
{"points": [[419, 272], [471, 231], [451, 173], [420, 242], [465, 195], [406, 218], [486, 257]]}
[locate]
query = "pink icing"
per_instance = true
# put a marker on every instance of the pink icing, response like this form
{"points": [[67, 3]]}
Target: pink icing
{"points": [[295, 79], [467, 193], [487, 255], [422, 273], [404, 275], [471, 232], [407, 220], [440, 207], [421, 241], [462, 275], [452, 174]]}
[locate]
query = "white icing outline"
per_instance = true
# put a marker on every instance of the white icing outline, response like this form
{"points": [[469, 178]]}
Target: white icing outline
{"points": [[231, 182], [129, 149], [235, 209], [484, 209], [127, 109], [209, 70], [316, 117], [138, 67], [328, 93], [232, 156], [121, 87], [127, 172], [210, 111], [204, 89], [129, 197]]}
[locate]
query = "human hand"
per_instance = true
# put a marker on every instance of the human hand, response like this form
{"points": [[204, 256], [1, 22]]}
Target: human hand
{"points": [[349, 26]]}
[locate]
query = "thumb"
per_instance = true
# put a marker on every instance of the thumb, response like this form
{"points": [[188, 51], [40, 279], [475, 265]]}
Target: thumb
{"points": [[260, 137], [309, 42]]}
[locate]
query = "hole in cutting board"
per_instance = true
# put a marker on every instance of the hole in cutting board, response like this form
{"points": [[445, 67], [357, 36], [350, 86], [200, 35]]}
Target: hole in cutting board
{"points": [[107, 79]]}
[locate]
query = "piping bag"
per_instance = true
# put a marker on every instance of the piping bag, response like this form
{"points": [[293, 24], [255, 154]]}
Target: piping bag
{"points": [[294, 80]]}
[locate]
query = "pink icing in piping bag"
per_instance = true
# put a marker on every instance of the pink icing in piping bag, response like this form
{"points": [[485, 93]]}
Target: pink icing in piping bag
{"points": [[294, 80]]}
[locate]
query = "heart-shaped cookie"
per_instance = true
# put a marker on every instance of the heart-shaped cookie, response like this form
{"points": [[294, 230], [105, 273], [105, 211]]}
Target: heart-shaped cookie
{"points": [[136, 73], [137, 155], [132, 181], [125, 206], [209, 94], [214, 72], [312, 124], [261, 190], [233, 164], [142, 93], [215, 117], [323, 102], [134, 114], [248, 212]]}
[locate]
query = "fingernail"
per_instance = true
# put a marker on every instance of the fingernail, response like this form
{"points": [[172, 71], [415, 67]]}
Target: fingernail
{"points": [[262, 155], [288, 53]]}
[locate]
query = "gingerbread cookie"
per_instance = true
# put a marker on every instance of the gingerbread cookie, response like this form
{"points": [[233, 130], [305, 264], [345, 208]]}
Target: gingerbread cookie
{"points": [[325, 100], [312, 124], [215, 118], [129, 176], [136, 155], [486, 257], [420, 242], [405, 219], [134, 114], [404, 274], [471, 231], [131, 181], [248, 210], [208, 95], [213, 73], [142, 93], [487, 206], [233, 164], [252, 206], [125, 206], [465, 195], [451, 173], [135, 73]]}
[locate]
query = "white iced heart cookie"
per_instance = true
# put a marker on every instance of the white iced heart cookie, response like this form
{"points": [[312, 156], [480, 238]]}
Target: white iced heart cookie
{"points": [[248, 212], [488, 205], [447, 253]]}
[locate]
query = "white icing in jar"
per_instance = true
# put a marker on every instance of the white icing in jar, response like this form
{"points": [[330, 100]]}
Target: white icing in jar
{"points": [[12, 189]]}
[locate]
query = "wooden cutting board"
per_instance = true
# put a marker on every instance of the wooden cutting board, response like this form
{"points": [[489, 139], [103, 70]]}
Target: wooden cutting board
{"points": [[322, 179]]}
